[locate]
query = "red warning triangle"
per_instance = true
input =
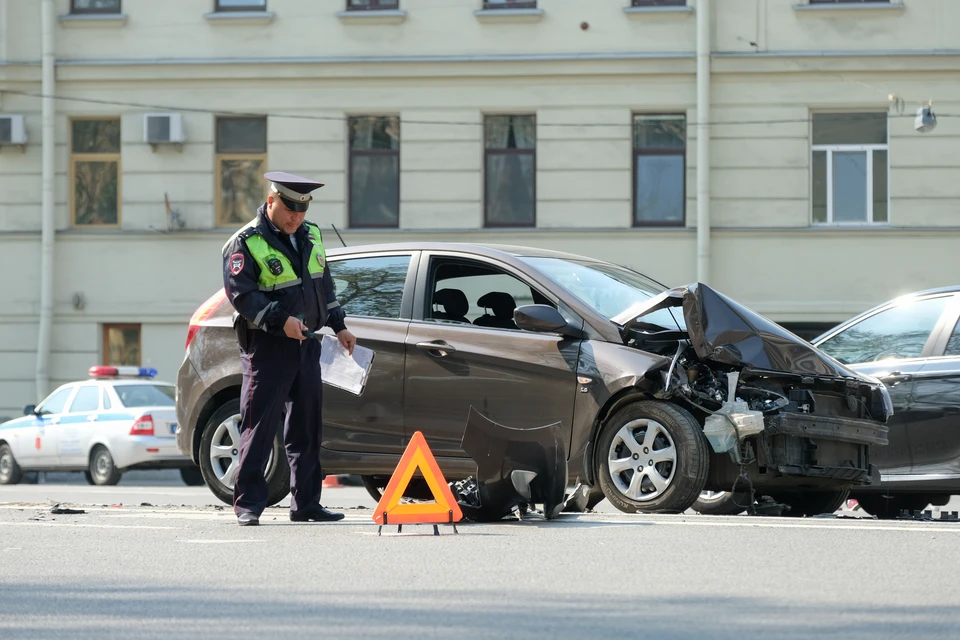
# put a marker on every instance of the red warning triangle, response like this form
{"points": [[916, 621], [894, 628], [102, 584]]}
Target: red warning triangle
{"points": [[445, 509]]}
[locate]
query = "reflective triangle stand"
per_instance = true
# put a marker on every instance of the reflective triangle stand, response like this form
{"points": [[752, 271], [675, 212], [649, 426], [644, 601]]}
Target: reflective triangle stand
{"points": [[436, 527]]}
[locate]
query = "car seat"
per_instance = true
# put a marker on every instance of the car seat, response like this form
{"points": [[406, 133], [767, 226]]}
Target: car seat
{"points": [[454, 303], [502, 304]]}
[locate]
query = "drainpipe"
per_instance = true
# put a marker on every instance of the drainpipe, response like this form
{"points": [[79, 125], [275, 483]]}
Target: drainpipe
{"points": [[47, 88], [703, 141]]}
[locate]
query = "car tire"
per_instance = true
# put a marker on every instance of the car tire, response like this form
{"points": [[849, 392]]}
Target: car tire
{"points": [[86, 474], [888, 507], [277, 473], [10, 472], [676, 446], [721, 503], [192, 476], [103, 470], [810, 503]]}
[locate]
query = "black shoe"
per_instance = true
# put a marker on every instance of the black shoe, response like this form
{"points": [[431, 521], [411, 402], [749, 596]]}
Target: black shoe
{"points": [[248, 520], [315, 513]]}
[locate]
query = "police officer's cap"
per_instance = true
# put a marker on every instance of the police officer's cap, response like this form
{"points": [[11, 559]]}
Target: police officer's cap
{"points": [[293, 190]]}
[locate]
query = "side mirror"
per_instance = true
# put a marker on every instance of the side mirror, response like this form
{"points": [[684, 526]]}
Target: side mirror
{"points": [[541, 318], [30, 409]]}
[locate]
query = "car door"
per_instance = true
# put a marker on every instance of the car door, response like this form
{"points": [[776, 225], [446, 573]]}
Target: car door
{"points": [[371, 289], [462, 354], [934, 430], [77, 425], [40, 450], [893, 344]]}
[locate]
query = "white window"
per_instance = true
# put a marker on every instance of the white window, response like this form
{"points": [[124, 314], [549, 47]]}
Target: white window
{"points": [[850, 168]]}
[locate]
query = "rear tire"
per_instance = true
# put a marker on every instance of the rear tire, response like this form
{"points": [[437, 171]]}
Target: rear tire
{"points": [[10, 472], [811, 503], [888, 507], [654, 432], [721, 503], [103, 470], [220, 477], [86, 474], [192, 476]]}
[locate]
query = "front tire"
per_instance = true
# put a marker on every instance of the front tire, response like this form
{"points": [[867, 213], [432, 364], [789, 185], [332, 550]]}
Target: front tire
{"points": [[192, 476], [721, 503], [220, 457], [10, 472], [654, 458], [103, 470]]}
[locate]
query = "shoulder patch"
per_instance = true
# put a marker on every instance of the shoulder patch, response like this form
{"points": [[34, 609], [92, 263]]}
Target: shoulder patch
{"points": [[236, 263]]}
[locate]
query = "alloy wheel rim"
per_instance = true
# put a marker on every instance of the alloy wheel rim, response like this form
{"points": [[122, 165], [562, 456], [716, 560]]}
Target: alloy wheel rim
{"points": [[642, 460], [225, 452], [6, 465]]}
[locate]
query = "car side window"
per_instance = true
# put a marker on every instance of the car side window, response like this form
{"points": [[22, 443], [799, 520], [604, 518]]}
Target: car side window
{"points": [[86, 400], [473, 293], [371, 287], [953, 345], [898, 332], [107, 405], [56, 402]]}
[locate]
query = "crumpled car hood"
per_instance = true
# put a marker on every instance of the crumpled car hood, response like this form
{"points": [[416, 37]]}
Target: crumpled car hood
{"points": [[726, 332]]}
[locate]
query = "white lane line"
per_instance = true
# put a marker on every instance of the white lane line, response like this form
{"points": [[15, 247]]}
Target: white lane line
{"points": [[14, 549], [80, 525], [218, 541], [920, 527]]}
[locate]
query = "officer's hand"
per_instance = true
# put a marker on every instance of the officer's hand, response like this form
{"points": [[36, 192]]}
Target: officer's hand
{"points": [[293, 328], [347, 340]]}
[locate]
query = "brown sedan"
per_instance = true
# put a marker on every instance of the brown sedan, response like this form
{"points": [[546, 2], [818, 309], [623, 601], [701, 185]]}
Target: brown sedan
{"points": [[631, 373]]}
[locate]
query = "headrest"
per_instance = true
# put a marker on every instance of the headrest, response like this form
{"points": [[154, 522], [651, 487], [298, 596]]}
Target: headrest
{"points": [[502, 303], [454, 301]]}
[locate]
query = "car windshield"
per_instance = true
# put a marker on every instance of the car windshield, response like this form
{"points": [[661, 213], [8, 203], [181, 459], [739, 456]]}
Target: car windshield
{"points": [[145, 395], [608, 288]]}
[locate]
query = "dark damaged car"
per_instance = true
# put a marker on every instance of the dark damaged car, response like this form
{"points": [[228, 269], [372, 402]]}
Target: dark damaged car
{"points": [[530, 372]]}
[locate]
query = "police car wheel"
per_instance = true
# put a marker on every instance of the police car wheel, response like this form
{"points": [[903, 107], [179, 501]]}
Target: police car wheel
{"points": [[102, 468], [9, 469], [220, 456]]}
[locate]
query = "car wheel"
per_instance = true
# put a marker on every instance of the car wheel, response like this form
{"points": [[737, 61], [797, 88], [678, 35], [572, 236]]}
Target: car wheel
{"points": [[653, 458], [192, 476], [810, 503], [220, 457], [103, 471], [721, 503], [86, 474], [9, 469], [888, 507]]}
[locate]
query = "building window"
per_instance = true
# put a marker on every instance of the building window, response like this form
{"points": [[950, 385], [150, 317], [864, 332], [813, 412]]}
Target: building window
{"points": [[95, 172], [240, 5], [849, 1], [509, 4], [94, 6], [121, 344], [659, 3], [241, 163], [510, 168], [374, 171], [850, 168], [659, 170], [372, 5]]}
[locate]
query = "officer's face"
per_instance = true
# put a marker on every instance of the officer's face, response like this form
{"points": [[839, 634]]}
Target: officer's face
{"points": [[286, 220]]}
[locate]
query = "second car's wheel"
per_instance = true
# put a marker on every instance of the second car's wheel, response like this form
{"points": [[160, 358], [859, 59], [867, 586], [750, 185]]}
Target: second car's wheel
{"points": [[103, 471], [86, 474], [888, 507], [653, 458], [220, 456], [192, 476], [9, 469], [722, 503], [810, 503]]}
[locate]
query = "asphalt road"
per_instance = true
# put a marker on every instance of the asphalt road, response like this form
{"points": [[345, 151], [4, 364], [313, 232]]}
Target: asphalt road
{"points": [[190, 572]]}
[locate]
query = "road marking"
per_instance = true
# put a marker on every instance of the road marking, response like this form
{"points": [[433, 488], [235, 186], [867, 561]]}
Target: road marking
{"points": [[80, 525], [218, 541], [709, 521], [14, 549]]}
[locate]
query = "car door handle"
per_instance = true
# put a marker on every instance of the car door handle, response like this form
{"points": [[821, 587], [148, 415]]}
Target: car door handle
{"points": [[895, 378], [442, 348], [91, 418]]}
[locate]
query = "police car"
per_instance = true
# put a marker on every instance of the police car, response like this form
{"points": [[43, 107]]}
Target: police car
{"points": [[120, 419]]}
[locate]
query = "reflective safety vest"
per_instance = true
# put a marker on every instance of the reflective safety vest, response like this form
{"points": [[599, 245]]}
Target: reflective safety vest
{"points": [[276, 271]]}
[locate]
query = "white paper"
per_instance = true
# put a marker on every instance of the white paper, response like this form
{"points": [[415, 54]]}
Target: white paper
{"points": [[338, 369]]}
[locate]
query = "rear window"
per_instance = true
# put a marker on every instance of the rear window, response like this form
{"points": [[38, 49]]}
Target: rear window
{"points": [[145, 395]]}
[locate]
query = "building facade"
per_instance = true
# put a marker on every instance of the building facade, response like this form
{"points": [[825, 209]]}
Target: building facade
{"points": [[564, 124]]}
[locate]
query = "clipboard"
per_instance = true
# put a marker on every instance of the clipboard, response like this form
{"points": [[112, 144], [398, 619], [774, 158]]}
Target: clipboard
{"points": [[338, 369]]}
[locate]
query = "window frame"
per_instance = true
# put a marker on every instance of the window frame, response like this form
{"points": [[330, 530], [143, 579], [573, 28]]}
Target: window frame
{"points": [[406, 296], [94, 157], [219, 157], [217, 8], [658, 3], [80, 388], [105, 337], [509, 5], [75, 10], [868, 150], [375, 5], [487, 152], [70, 388], [815, 2], [636, 152], [351, 152]]}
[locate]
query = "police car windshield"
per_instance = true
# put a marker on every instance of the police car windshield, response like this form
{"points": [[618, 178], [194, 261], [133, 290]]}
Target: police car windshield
{"points": [[145, 395], [608, 288]]}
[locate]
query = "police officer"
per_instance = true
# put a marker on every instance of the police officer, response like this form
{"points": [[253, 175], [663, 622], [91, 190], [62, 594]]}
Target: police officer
{"points": [[275, 274]]}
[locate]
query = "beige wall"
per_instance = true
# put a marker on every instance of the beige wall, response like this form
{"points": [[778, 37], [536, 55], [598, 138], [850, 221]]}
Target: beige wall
{"points": [[444, 64]]}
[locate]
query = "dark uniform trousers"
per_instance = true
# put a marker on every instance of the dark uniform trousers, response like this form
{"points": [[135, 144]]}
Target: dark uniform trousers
{"points": [[280, 375]]}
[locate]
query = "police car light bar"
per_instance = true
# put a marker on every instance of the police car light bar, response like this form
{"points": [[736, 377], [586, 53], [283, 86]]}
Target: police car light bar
{"points": [[117, 372]]}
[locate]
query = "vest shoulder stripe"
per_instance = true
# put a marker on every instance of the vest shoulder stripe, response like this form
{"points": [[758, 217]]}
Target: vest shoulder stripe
{"points": [[245, 232]]}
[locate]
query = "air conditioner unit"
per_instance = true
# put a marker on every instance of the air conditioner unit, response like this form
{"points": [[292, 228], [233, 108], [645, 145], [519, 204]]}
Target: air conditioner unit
{"points": [[163, 128], [12, 130]]}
